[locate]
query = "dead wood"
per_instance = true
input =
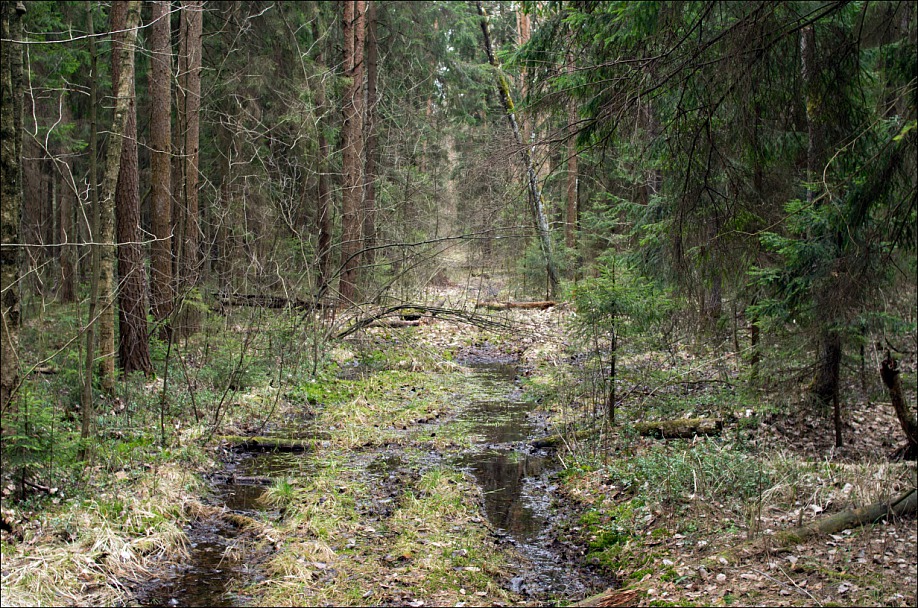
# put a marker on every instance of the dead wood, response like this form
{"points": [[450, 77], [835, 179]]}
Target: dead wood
{"points": [[395, 323], [610, 597], [263, 301], [494, 305], [277, 444], [450, 314], [680, 429], [903, 505], [889, 372]]}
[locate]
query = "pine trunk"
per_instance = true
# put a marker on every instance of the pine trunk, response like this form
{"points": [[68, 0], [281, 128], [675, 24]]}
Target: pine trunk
{"points": [[351, 148], [161, 294], [189, 97], [123, 99], [372, 145], [133, 347]]}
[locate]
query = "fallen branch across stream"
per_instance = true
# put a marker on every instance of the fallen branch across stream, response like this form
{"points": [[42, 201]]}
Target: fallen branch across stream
{"points": [[451, 314], [277, 444], [542, 305], [685, 428]]}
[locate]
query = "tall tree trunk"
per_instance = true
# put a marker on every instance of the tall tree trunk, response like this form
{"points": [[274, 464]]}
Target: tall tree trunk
{"points": [[372, 145], [351, 148], [809, 71], [824, 389], [189, 98], [133, 347], [570, 219], [67, 237], [123, 97], [10, 199], [324, 211], [161, 294], [535, 195], [95, 250]]}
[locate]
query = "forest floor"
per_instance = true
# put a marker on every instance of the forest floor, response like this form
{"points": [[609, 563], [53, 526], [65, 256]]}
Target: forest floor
{"points": [[391, 504]]}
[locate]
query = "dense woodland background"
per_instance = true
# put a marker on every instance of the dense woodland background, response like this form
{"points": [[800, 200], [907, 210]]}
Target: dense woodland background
{"points": [[736, 174]]}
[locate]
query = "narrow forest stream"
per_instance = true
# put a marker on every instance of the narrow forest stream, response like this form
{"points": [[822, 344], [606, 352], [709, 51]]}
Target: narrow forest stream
{"points": [[514, 483]]}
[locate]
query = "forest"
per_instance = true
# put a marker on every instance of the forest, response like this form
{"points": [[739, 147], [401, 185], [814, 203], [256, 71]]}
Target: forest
{"points": [[459, 303]]}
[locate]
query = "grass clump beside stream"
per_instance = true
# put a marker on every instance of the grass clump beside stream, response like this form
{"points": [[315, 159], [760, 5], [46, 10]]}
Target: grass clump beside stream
{"points": [[73, 550]]}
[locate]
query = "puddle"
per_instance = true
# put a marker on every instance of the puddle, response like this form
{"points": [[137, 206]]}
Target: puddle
{"points": [[218, 554], [516, 486]]}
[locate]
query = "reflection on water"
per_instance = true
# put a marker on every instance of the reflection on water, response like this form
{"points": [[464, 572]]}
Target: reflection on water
{"points": [[514, 484]]}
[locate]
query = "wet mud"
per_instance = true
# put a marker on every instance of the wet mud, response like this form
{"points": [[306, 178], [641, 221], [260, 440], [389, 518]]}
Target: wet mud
{"points": [[515, 481]]}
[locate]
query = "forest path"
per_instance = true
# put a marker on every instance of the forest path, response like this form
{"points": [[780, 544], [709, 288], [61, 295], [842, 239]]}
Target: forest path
{"points": [[421, 489]]}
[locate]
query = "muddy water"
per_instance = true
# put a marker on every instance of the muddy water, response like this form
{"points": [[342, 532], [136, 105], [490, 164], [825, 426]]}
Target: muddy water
{"points": [[516, 487], [217, 550]]}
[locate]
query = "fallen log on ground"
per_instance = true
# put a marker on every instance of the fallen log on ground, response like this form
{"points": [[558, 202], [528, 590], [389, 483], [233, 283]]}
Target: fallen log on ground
{"points": [[905, 504], [263, 301], [494, 305], [276, 444], [395, 323], [685, 428], [449, 314]]}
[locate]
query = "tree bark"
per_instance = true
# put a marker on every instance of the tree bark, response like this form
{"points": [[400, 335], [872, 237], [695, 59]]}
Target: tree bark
{"points": [[189, 99], [372, 140], [133, 347], [824, 389], [535, 195], [324, 210], [67, 292], [161, 294], [123, 98], [11, 197], [889, 372], [570, 219], [352, 147]]}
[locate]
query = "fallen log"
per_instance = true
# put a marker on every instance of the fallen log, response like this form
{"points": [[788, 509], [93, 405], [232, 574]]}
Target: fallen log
{"points": [[786, 540], [263, 301], [494, 305], [685, 428], [395, 323], [905, 504], [276, 444]]}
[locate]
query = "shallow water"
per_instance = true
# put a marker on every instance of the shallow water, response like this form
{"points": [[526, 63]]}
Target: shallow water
{"points": [[516, 486]]}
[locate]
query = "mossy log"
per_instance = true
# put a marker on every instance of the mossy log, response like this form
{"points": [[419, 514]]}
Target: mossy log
{"points": [[680, 429], [541, 305], [903, 505], [268, 444]]}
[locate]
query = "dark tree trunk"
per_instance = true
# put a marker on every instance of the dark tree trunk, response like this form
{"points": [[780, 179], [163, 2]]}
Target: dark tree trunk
{"points": [[133, 348], [824, 390], [372, 145], [189, 99], [889, 372], [351, 148], [11, 197], [67, 238], [324, 210], [161, 294]]}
